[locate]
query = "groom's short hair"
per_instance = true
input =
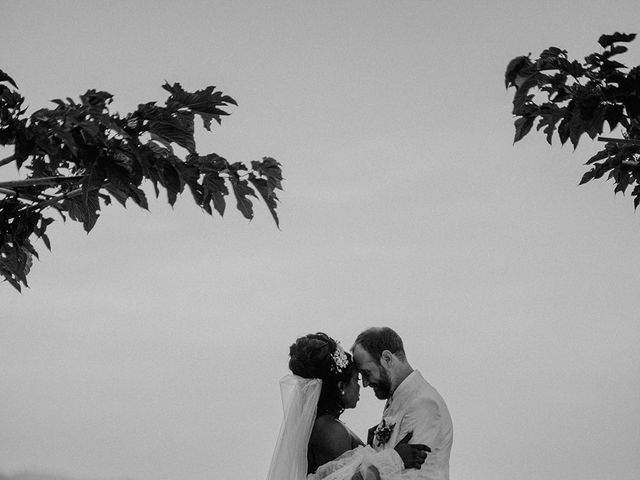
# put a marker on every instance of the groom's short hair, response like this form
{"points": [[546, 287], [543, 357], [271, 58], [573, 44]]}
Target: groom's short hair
{"points": [[376, 340]]}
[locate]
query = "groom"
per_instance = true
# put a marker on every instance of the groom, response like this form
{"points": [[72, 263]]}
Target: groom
{"points": [[412, 404]]}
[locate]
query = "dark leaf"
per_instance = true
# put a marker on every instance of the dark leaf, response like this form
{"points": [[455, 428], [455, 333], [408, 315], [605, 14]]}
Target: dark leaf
{"points": [[601, 155], [563, 131], [271, 170], [575, 69], [514, 71], [84, 212], [139, 197], [9, 277], [6, 78], [523, 125], [96, 99], [207, 103], [28, 248], [632, 105], [171, 180], [593, 60], [120, 195], [614, 50], [173, 127], [268, 195], [576, 129], [535, 80], [636, 195], [241, 190], [549, 117], [607, 40], [46, 241], [215, 189], [613, 115], [553, 52], [588, 176]]}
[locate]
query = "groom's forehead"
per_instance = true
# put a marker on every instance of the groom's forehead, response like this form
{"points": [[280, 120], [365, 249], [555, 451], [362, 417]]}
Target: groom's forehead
{"points": [[362, 358]]}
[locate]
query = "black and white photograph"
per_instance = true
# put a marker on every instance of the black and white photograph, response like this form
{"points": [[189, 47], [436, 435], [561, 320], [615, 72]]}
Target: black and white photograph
{"points": [[319, 240]]}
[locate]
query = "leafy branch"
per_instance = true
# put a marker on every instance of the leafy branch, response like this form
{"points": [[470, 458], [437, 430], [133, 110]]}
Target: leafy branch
{"points": [[569, 99], [79, 156]]}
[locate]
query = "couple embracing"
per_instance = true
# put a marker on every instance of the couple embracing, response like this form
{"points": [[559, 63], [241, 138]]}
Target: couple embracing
{"points": [[412, 441]]}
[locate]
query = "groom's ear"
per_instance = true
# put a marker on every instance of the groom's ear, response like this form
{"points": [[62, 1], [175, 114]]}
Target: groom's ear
{"points": [[386, 358]]}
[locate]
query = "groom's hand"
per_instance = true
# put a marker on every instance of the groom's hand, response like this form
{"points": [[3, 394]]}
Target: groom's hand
{"points": [[413, 455], [370, 434]]}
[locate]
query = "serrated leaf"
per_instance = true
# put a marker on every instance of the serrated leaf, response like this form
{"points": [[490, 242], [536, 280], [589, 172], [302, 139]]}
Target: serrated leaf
{"points": [[215, 190], [551, 115], [6, 78], [613, 115], [96, 99], [86, 214], [173, 127], [601, 155], [138, 196], [606, 40], [9, 277], [563, 131], [171, 180], [117, 193], [206, 103], [523, 126], [614, 50], [587, 176], [29, 249], [268, 195], [271, 170], [514, 71], [636, 195], [46, 241], [241, 190]]}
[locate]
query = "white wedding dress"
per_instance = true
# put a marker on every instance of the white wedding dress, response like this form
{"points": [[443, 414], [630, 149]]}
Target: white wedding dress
{"points": [[289, 461]]}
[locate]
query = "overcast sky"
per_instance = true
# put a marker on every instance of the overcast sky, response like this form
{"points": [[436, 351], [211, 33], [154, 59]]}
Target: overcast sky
{"points": [[152, 348]]}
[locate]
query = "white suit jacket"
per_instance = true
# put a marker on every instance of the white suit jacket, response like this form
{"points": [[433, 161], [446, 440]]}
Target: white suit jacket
{"points": [[417, 407]]}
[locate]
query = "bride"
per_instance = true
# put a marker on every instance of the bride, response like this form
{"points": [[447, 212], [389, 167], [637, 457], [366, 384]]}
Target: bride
{"points": [[313, 443]]}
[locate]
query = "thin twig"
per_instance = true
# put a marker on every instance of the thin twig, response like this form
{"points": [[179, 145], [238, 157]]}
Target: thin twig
{"points": [[54, 200], [73, 193], [21, 195], [619, 140], [30, 182], [7, 160]]}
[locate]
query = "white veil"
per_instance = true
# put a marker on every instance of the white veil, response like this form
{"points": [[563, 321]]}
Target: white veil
{"points": [[299, 402]]}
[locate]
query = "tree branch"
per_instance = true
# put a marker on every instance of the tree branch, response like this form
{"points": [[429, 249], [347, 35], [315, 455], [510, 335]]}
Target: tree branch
{"points": [[619, 140], [7, 160], [54, 200], [30, 182]]}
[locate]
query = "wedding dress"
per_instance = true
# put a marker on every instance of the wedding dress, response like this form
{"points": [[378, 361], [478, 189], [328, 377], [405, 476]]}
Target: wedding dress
{"points": [[289, 461]]}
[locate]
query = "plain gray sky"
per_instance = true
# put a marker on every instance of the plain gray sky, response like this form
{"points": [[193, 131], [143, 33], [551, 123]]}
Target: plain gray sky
{"points": [[152, 348]]}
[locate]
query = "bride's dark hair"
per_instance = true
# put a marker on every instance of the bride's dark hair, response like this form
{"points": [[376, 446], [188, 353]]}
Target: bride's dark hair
{"points": [[312, 356]]}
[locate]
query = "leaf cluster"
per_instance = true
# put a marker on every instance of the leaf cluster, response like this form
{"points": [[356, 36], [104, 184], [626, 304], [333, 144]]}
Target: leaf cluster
{"points": [[79, 156], [571, 98]]}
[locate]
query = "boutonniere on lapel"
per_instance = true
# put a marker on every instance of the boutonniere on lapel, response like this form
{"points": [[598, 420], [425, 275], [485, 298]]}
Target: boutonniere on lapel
{"points": [[383, 432]]}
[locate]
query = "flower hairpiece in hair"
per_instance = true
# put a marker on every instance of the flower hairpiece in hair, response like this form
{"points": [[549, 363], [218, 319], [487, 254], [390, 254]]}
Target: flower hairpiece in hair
{"points": [[340, 360]]}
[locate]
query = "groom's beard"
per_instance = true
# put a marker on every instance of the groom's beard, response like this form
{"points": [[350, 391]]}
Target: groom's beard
{"points": [[382, 388]]}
